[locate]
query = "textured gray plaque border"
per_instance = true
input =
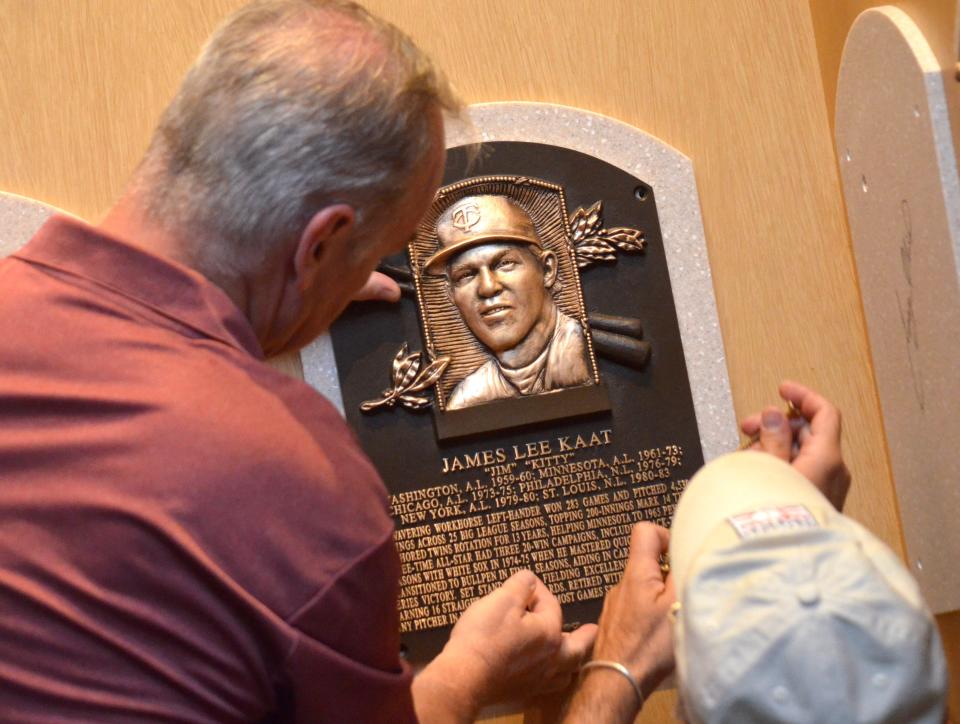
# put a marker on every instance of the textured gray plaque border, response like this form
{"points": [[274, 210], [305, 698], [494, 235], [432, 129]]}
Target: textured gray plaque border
{"points": [[670, 173], [20, 217]]}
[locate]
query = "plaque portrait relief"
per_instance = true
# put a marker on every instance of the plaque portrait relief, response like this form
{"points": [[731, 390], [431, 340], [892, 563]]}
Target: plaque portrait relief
{"points": [[501, 279], [530, 397], [500, 294]]}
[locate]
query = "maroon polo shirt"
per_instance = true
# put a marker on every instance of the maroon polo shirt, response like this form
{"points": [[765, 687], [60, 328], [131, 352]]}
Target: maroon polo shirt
{"points": [[185, 533]]}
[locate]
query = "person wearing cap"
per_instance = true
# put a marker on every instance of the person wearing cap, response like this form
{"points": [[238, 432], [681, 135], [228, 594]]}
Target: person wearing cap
{"points": [[500, 277], [785, 610]]}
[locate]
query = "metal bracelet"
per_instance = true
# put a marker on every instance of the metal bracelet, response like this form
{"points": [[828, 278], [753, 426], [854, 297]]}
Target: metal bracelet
{"points": [[619, 668]]}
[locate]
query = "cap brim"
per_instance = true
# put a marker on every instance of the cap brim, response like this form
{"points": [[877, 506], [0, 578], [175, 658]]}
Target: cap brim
{"points": [[436, 263]]}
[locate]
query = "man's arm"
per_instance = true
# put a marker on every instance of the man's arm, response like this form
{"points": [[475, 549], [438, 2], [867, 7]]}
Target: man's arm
{"points": [[634, 627], [508, 645], [634, 632]]}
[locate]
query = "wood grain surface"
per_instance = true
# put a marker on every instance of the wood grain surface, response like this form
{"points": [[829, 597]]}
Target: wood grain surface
{"points": [[733, 84]]}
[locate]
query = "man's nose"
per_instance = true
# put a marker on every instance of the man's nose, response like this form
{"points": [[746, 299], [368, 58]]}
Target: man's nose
{"points": [[487, 284]]}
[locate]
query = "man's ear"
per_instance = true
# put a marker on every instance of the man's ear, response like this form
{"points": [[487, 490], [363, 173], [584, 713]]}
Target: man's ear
{"points": [[327, 231], [549, 261]]}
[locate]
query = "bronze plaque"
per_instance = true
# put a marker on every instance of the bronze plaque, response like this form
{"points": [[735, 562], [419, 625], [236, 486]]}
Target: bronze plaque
{"points": [[527, 401]]}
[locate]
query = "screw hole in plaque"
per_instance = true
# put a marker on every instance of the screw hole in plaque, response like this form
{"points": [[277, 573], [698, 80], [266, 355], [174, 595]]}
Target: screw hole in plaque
{"points": [[641, 193]]}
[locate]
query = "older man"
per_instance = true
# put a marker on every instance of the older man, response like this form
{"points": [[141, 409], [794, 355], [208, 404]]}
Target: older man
{"points": [[501, 277], [187, 534]]}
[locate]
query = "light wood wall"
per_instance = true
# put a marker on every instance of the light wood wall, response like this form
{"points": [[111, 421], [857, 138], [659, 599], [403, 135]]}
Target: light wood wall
{"points": [[734, 84]]}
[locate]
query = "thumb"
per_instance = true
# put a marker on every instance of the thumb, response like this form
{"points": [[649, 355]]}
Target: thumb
{"points": [[520, 587], [577, 645], [776, 436], [647, 543]]}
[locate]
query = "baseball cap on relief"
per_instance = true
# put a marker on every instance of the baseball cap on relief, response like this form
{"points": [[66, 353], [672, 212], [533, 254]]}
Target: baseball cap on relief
{"points": [[791, 612], [477, 220]]}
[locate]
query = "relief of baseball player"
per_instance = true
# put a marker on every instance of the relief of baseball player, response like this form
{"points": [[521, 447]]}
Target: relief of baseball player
{"points": [[500, 277]]}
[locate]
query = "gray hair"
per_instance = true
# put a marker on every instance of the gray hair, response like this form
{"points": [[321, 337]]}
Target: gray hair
{"points": [[292, 105]]}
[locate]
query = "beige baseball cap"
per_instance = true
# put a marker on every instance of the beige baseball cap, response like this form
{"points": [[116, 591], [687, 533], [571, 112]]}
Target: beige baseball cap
{"points": [[475, 220], [792, 612]]}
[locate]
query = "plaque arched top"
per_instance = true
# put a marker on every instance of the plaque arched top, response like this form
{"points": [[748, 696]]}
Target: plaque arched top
{"points": [[902, 192], [670, 174]]}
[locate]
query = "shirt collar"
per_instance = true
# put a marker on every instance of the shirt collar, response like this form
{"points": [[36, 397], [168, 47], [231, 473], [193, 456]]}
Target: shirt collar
{"points": [[165, 286]]}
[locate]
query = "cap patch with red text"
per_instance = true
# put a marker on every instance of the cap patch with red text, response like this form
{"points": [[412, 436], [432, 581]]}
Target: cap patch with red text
{"points": [[772, 520]]}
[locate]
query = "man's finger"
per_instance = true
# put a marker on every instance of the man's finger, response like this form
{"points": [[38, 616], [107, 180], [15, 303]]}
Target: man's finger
{"points": [[521, 588], [793, 392], [823, 417], [647, 543], [776, 437], [751, 425], [649, 539], [545, 605], [826, 420], [575, 647], [810, 403], [378, 287]]}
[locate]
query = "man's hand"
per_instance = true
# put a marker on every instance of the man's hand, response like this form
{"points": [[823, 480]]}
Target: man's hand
{"points": [[378, 288], [509, 644], [811, 443], [634, 631]]}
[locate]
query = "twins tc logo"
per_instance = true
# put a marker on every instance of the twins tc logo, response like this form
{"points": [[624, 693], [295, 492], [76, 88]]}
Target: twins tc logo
{"points": [[466, 217]]}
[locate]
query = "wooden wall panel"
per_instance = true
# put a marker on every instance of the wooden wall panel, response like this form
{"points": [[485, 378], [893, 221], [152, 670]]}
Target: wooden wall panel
{"points": [[82, 85], [734, 84]]}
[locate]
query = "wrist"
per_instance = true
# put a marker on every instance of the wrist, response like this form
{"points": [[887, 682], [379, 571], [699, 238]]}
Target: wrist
{"points": [[608, 667], [445, 692], [646, 673], [603, 695]]}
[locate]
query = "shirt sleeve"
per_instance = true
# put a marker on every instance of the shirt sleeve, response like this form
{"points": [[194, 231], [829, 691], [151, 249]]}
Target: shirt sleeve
{"points": [[346, 665]]}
